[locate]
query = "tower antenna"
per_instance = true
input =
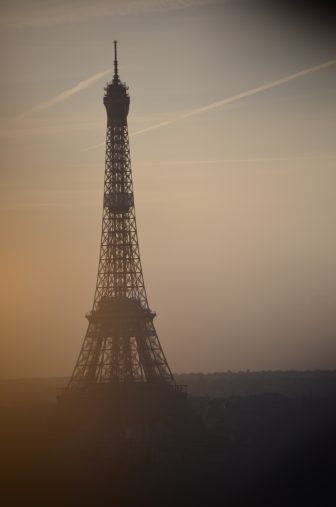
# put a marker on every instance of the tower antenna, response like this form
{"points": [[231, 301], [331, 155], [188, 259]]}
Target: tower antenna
{"points": [[116, 75]]}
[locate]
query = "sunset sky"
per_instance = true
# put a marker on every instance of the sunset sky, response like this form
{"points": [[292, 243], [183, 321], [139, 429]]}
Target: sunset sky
{"points": [[235, 202]]}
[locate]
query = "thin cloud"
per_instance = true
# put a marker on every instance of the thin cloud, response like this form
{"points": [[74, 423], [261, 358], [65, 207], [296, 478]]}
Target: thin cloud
{"points": [[229, 100], [156, 163], [41, 129], [40, 13], [61, 97]]}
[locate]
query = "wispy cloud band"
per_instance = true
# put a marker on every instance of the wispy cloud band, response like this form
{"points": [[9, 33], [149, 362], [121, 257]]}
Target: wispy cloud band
{"points": [[38, 13], [229, 100], [66, 94]]}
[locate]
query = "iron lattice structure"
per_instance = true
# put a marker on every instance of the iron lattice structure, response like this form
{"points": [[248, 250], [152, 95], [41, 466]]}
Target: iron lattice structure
{"points": [[121, 345]]}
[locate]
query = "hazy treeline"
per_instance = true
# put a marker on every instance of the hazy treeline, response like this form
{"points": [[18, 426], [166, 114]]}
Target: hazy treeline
{"points": [[246, 438], [319, 383], [264, 449], [289, 383]]}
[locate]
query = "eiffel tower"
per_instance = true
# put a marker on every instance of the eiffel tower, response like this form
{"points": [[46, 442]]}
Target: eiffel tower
{"points": [[121, 350]]}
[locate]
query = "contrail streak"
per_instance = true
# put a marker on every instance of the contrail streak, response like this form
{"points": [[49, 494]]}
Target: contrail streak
{"points": [[242, 95], [82, 85], [230, 100]]}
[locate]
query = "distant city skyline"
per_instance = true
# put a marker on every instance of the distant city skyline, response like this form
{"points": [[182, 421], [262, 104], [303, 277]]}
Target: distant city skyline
{"points": [[234, 185]]}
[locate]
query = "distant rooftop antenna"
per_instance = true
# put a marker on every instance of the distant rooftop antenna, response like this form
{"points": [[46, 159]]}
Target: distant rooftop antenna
{"points": [[116, 75]]}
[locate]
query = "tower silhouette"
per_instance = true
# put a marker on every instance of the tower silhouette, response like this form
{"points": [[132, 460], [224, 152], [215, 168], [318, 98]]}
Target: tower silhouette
{"points": [[121, 347]]}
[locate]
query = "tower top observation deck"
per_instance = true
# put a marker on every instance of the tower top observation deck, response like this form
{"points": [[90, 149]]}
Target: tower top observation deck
{"points": [[116, 97]]}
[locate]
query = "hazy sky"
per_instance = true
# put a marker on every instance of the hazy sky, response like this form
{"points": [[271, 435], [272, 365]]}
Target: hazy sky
{"points": [[235, 204]]}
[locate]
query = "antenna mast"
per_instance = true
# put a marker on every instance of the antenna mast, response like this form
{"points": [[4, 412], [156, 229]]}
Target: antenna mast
{"points": [[116, 75]]}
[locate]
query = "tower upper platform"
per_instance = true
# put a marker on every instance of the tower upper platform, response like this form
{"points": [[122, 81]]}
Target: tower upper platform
{"points": [[116, 98]]}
